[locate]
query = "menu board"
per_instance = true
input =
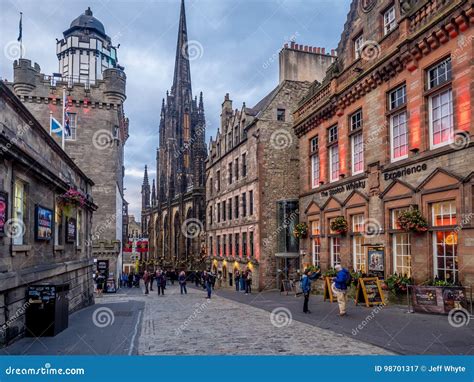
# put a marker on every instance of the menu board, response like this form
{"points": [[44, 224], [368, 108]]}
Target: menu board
{"points": [[375, 256], [3, 211], [43, 223], [328, 295], [369, 291]]}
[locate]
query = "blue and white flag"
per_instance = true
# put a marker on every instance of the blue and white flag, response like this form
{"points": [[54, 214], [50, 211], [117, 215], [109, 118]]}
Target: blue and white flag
{"points": [[55, 128]]}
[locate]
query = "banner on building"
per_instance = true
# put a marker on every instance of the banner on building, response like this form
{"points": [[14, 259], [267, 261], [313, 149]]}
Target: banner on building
{"points": [[3, 211], [142, 246]]}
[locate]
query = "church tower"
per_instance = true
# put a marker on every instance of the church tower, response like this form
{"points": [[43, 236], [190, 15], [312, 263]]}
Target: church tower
{"points": [[145, 200], [180, 164]]}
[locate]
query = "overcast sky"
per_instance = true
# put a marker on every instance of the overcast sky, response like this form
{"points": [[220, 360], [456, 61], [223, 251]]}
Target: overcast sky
{"points": [[237, 52]]}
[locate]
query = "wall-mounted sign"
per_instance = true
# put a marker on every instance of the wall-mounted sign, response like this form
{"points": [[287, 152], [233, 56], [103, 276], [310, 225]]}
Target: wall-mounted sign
{"points": [[3, 211], [405, 171], [71, 230], [43, 223], [375, 256], [348, 187]]}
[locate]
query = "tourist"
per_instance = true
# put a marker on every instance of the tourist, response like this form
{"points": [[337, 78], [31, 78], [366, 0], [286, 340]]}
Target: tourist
{"points": [[248, 281], [152, 277], [237, 279], [146, 281], [308, 276], [340, 288], [242, 281], [130, 279], [182, 282], [100, 284], [207, 278], [160, 282]]}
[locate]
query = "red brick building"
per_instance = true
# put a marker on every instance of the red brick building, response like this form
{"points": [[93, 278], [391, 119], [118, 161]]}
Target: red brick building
{"points": [[389, 129]]}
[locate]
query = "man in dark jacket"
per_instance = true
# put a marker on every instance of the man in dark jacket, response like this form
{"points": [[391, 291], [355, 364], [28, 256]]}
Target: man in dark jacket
{"points": [[160, 282], [308, 276], [340, 287]]}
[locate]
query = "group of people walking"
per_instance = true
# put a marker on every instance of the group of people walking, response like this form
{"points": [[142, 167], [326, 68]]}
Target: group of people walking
{"points": [[243, 280]]}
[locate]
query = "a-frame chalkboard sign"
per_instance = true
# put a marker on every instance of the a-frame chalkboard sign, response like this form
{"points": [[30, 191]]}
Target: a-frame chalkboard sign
{"points": [[328, 294], [369, 291]]}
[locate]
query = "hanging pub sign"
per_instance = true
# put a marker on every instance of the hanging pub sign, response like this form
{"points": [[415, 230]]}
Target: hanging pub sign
{"points": [[432, 299], [128, 246], [71, 230], [3, 211], [328, 295], [142, 246], [375, 256], [369, 291], [43, 223]]}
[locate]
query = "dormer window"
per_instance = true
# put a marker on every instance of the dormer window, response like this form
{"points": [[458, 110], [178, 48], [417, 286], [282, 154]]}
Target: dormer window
{"points": [[281, 115], [389, 21]]}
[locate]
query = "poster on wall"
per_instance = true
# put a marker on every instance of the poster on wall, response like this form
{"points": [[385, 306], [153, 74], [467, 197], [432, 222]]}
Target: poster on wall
{"points": [[3, 211], [71, 230], [375, 256], [43, 223]]}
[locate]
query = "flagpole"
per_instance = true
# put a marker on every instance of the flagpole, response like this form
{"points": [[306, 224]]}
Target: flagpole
{"points": [[64, 110], [50, 123]]}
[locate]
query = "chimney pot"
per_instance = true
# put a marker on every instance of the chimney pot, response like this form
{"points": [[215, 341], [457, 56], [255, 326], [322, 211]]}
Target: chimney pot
{"points": [[323, 50], [292, 45], [286, 45], [318, 50], [332, 52]]}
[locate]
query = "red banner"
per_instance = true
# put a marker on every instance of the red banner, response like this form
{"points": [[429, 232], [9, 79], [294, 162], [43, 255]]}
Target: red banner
{"points": [[128, 247], [142, 246]]}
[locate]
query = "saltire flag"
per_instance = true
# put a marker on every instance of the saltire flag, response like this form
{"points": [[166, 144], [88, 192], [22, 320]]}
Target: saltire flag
{"points": [[128, 247], [20, 27], [67, 120], [55, 128]]}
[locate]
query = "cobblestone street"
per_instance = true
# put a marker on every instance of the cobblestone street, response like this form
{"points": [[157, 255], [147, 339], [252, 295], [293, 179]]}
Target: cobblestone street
{"points": [[191, 324]]}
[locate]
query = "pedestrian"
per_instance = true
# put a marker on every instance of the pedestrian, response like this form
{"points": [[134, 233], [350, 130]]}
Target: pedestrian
{"points": [[172, 276], [248, 281], [160, 282], [100, 284], [339, 287], [242, 282], [182, 282], [152, 278], [197, 279], [130, 279], [308, 276], [207, 283], [237, 279], [146, 281]]}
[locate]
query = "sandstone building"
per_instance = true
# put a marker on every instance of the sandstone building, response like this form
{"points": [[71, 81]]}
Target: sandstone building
{"points": [[389, 129], [252, 178], [94, 85], [39, 241], [173, 218]]}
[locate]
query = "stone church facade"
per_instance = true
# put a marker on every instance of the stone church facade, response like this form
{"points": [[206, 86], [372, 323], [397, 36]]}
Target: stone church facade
{"points": [[173, 213]]}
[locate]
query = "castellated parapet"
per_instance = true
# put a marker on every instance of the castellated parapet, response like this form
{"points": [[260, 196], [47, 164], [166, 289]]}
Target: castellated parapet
{"points": [[32, 85]]}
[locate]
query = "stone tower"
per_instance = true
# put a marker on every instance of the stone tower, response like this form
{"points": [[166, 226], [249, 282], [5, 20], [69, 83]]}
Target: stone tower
{"points": [[145, 200], [94, 84], [180, 164]]}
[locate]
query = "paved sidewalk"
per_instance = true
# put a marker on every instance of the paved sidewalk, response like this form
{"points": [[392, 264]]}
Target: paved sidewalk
{"points": [[390, 327]]}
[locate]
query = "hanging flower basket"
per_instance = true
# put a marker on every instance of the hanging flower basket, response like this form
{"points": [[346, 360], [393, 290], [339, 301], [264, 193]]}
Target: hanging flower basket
{"points": [[339, 225], [300, 231], [412, 221], [72, 198]]}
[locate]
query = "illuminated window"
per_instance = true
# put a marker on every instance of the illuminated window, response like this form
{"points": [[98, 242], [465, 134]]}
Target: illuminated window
{"points": [[399, 136], [441, 118], [358, 223], [443, 214], [357, 154], [401, 254]]}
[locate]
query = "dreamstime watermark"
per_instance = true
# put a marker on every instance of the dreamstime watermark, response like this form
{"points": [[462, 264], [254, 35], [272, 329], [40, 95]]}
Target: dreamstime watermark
{"points": [[461, 140], [103, 139], [44, 370], [286, 223], [192, 50], [459, 317], [200, 308], [370, 50], [21, 311], [274, 57], [21, 130], [13, 49], [100, 229], [200, 132], [15, 228], [466, 219], [281, 317], [367, 320], [373, 228], [192, 228], [103, 317], [281, 139]]}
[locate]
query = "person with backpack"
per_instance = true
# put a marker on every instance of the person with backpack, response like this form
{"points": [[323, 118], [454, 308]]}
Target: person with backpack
{"points": [[308, 277], [341, 282], [182, 282]]}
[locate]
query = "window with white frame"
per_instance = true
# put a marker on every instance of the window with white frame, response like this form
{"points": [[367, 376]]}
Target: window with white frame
{"points": [[358, 223], [389, 22], [19, 213], [401, 254], [356, 120], [445, 242], [440, 105], [358, 249], [398, 97], [358, 45], [316, 239], [357, 153], [335, 247], [72, 128], [58, 225], [315, 171], [314, 144], [397, 100], [332, 134], [334, 162]]}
